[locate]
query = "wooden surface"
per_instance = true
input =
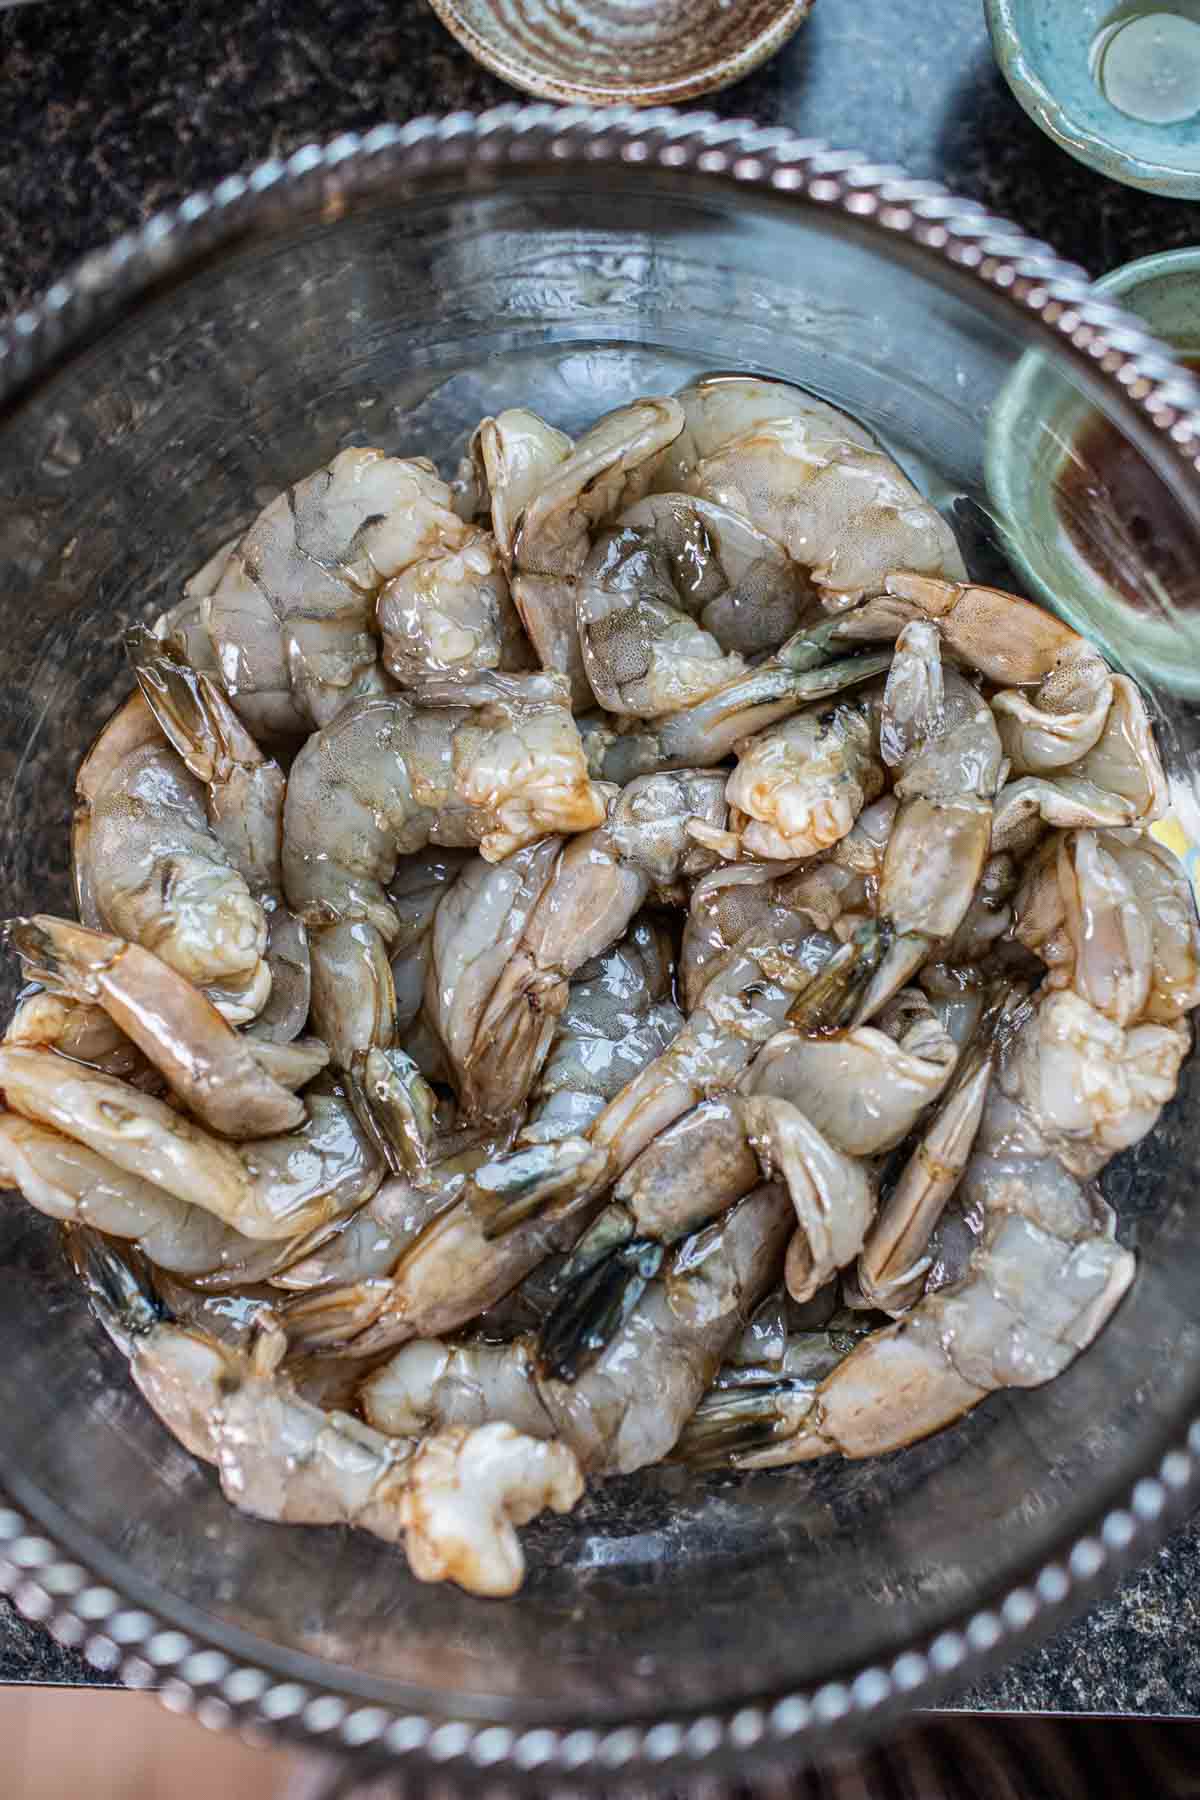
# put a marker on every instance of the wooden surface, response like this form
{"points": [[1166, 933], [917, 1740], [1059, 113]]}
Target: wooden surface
{"points": [[64, 1743]]}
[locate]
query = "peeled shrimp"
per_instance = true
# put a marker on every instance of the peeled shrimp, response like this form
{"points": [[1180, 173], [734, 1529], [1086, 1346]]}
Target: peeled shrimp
{"points": [[609, 468], [499, 764], [507, 941], [798, 787], [450, 613], [672, 599], [812, 479], [458, 1264], [216, 1073], [513, 457], [1045, 1273], [149, 867], [67, 1181], [272, 1187], [627, 1409], [1111, 914], [691, 1173], [291, 616], [414, 893], [706, 730], [454, 1499], [245, 812], [863, 1088], [619, 1016]]}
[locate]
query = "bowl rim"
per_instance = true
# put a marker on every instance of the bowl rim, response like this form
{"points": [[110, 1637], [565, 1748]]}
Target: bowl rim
{"points": [[1066, 127], [718, 72], [1114, 355]]}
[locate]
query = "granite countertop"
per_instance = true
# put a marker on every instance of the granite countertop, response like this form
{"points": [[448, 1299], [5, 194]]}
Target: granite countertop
{"points": [[907, 81]]}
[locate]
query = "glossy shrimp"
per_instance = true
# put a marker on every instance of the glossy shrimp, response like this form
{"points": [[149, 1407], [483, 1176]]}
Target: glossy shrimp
{"points": [[451, 613], [496, 763], [610, 466], [799, 786], [507, 940], [224, 1079], [692, 1172], [453, 1499], [458, 1264], [619, 1016], [812, 479], [628, 1408], [674, 597], [291, 618], [148, 866], [705, 731], [268, 1188], [1044, 1272], [512, 457], [245, 811]]}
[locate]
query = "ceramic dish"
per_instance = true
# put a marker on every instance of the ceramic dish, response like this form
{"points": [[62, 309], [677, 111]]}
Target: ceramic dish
{"points": [[1152, 625], [646, 53], [1116, 85], [390, 289]]}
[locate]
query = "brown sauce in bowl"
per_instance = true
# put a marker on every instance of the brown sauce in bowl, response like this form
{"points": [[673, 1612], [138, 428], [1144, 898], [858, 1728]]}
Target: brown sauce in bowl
{"points": [[1124, 522]]}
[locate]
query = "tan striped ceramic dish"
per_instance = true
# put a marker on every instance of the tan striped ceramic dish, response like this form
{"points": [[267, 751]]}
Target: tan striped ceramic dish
{"points": [[636, 52]]}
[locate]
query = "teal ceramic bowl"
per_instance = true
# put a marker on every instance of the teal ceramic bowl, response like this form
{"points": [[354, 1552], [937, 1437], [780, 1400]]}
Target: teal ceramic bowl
{"points": [[1120, 585], [1117, 85]]}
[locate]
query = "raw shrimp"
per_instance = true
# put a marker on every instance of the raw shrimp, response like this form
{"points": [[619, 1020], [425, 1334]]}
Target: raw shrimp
{"points": [[214, 1072], [692, 1172], [627, 1409], [245, 812], [271, 1188], [609, 468], [451, 613], [459, 1264], [507, 941], [454, 1499], [149, 867], [499, 764], [672, 599], [799, 786], [66, 1181], [619, 1016], [812, 479], [750, 1407], [414, 893], [894, 1260], [705, 731], [939, 734], [1111, 914], [1045, 1273], [83, 1032], [513, 457], [291, 616], [865, 1087]]}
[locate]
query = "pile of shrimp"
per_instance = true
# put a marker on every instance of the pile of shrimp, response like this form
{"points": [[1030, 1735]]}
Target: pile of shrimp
{"points": [[624, 954]]}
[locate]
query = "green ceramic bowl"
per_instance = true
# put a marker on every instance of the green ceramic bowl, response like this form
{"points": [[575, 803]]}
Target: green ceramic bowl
{"points": [[1068, 60], [1037, 426]]}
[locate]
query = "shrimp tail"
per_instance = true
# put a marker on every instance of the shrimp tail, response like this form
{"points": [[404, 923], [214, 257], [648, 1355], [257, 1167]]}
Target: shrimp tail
{"points": [[737, 1422], [592, 1311], [396, 1107], [515, 1032], [831, 998], [190, 710], [333, 1316], [514, 1188], [117, 1282]]}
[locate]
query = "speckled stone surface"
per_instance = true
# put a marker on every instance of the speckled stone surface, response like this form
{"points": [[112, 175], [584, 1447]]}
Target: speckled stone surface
{"points": [[909, 81]]}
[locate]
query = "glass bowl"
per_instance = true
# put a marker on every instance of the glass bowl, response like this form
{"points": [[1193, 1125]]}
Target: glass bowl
{"points": [[389, 290]]}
